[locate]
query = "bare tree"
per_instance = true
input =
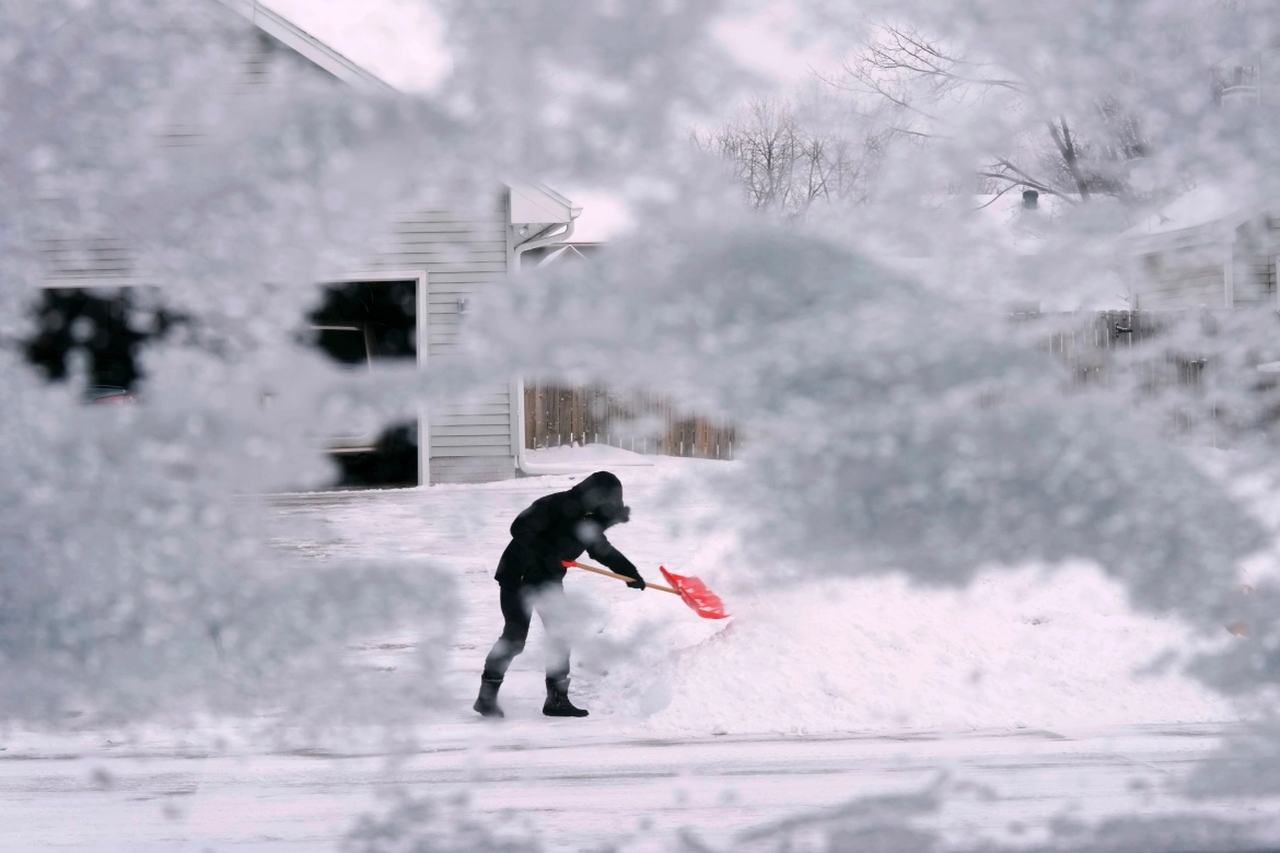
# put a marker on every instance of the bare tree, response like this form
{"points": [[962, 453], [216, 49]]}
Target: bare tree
{"points": [[912, 81], [905, 86], [785, 164]]}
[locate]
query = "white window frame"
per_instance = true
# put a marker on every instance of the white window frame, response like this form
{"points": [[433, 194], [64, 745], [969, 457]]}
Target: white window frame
{"points": [[422, 340]]}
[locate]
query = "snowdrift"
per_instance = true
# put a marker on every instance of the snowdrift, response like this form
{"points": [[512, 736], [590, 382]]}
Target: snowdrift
{"points": [[1027, 648]]}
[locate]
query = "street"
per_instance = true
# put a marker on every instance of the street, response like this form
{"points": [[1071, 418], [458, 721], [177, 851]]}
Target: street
{"points": [[576, 789]]}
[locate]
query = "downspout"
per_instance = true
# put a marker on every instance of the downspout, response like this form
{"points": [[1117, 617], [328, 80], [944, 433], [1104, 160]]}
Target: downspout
{"points": [[538, 241]]}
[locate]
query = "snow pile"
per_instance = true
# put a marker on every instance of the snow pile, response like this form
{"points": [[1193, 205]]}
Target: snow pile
{"points": [[1025, 648], [1031, 646], [1038, 647]]}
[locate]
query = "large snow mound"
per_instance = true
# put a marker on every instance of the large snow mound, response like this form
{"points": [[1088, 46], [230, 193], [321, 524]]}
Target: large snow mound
{"points": [[1025, 648]]}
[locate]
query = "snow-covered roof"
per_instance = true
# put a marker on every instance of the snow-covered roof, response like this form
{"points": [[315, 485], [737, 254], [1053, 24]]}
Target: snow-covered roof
{"points": [[566, 251], [538, 204], [1202, 206], [531, 203]]}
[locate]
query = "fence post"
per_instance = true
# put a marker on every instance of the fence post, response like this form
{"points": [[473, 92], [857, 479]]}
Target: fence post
{"points": [[539, 416]]}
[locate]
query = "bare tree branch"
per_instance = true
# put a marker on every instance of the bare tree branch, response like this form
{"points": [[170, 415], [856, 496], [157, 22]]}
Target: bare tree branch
{"points": [[785, 167], [1069, 155], [1023, 180], [996, 197], [915, 78]]}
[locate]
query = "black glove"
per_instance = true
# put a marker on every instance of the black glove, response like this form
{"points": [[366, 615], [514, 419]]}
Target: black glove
{"points": [[638, 583]]}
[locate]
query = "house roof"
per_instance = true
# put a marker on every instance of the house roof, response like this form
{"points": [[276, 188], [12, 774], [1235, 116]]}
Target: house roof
{"points": [[567, 251], [538, 204], [1201, 206], [531, 203], [1210, 213], [307, 45]]}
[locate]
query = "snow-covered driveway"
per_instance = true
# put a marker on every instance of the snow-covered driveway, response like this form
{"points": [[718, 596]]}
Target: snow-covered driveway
{"points": [[1019, 700]]}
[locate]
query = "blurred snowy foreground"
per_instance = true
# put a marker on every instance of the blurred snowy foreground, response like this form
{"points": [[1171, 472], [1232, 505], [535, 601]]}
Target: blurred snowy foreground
{"points": [[1028, 698]]}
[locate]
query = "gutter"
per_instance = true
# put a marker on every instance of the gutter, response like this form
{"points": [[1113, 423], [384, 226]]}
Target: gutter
{"points": [[538, 241]]}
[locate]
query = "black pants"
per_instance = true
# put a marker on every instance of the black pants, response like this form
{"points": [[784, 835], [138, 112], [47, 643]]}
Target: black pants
{"points": [[518, 603]]}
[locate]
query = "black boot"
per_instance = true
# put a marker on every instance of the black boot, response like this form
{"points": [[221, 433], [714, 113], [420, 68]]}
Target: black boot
{"points": [[558, 704], [487, 701]]}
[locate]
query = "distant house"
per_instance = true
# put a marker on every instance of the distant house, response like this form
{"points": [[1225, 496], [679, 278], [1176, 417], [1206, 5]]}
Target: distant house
{"points": [[1206, 249], [419, 281], [1203, 250]]}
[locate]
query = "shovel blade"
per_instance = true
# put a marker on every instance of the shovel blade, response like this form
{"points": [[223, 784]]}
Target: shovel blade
{"points": [[695, 594]]}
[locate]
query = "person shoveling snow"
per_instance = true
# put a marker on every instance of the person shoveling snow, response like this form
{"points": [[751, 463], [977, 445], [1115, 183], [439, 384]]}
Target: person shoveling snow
{"points": [[554, 529]]}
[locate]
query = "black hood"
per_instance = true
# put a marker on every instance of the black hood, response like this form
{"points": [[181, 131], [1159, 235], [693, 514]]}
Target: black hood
{"points": [[601, 496]]}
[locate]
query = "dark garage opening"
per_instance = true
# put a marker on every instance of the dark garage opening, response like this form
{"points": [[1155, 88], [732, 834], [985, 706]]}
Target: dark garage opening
{"points": [[358, 324], [109, 325]]}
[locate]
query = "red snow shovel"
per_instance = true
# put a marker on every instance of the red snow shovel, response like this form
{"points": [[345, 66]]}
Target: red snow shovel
{"points": [[692, 591]]}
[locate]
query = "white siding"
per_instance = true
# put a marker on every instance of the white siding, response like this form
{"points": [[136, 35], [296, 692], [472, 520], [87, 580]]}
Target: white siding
{"points": [[262, 64], [265, 64], [81, 262], [470, 469], [1212, 268], [462, 252], [1253, 265], [1253, 272], [477, 426], [1185, 277]]}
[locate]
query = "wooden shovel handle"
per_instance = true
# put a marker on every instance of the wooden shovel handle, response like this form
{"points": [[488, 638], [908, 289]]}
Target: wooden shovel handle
{"points": [[610, 574]]}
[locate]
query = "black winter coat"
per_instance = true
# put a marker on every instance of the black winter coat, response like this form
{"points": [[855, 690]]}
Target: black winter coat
{"points": [[560, 527]]}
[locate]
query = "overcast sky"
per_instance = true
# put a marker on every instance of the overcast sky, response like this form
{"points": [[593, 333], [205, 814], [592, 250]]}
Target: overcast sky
{"points": [[404, 43], [401, 41]]}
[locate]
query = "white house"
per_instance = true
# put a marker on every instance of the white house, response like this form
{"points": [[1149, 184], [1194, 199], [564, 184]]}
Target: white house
{"points": [[1204, 249], [444, 256]]}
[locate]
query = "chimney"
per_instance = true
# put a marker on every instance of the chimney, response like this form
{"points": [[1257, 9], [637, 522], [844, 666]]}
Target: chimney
{"points": [[1030, 200]]}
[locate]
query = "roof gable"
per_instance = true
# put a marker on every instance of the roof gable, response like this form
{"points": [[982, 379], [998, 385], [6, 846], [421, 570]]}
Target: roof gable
{"points": [[307, 45], [538, 204]]}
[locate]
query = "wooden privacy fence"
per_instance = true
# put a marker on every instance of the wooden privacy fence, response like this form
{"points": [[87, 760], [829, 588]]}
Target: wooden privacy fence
{"points": [[1085, 346], [556, 416], [1081, 347]]}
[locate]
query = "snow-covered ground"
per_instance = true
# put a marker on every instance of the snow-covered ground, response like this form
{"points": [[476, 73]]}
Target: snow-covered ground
{"points": [[1031, 647], [577, 788], [1041, 685]]}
